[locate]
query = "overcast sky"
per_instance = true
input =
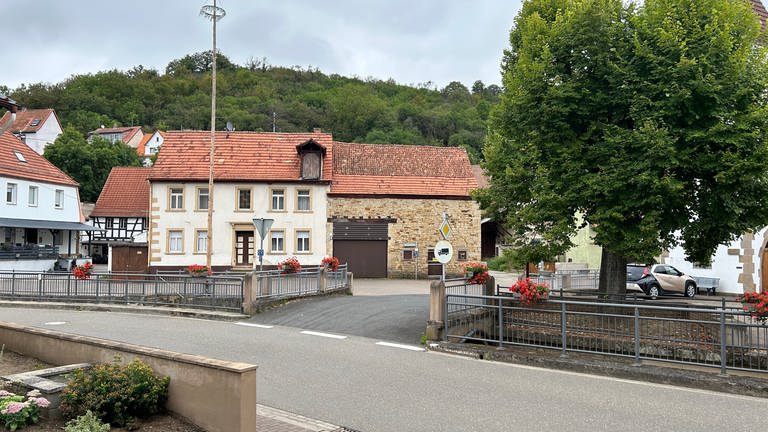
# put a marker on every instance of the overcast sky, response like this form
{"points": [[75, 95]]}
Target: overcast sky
{"points": [[411, 41]]}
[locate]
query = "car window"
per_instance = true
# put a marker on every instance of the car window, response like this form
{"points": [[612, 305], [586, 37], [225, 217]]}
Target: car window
{"points": [[660, 269], [673, 271]]}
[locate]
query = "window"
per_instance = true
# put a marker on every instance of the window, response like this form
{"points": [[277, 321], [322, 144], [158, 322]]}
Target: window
{"points": [[20, 157], [33, 196], [243, 199], [109, 223], [175, 241], [302, 200], [302, 241], [123, 223], [10, 193], [277, 241], [407, 254], [176, 198], [201, 241], [59, 200], [278, 200], [462, 255], [202, 198]]}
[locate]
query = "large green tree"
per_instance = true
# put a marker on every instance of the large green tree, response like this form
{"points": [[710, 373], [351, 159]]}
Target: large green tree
{"points": [[89, 163], [646, 122]]}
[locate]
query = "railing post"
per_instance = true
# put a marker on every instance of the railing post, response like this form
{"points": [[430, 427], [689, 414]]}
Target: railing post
{"points": [[69, 280], [564, 334], [39, 285], [637, 337], [723, 353], [13, 282], [501, 325]]}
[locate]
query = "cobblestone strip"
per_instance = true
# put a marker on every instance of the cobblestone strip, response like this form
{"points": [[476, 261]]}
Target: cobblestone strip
{"points": [[275, 420]]}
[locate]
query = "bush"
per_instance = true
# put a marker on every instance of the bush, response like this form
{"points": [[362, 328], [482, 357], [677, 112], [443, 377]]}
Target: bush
{"points": [[16, 412], [87, 422], [498, 263], [116, 394]]}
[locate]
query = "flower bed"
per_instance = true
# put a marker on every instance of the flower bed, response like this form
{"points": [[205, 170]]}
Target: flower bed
{"points": [[530, 291], [476, 272], [330, 263], [756, 304], [83, 271], [196, 270], [290, 265], [16, 412]]}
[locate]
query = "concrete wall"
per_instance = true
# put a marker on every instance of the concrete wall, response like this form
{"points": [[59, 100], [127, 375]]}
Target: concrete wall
{"points": [[417, 221], [216, 395]]}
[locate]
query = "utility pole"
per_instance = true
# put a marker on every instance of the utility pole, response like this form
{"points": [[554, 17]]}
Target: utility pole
{"points": [[213, 13]]}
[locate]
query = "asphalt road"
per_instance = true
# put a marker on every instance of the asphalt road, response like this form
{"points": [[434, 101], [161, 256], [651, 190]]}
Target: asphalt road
{"points": [[355, 382]]}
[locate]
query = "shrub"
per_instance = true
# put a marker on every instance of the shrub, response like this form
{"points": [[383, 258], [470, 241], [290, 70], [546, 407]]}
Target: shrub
{"points": [[117, 394], [88, 422], [15, 412], [498, 263]]}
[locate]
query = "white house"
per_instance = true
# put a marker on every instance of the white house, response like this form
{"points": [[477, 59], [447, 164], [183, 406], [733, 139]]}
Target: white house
{"points": [[40, 215], [149, 146], [281, 176], [36, 127], [130, 135]]}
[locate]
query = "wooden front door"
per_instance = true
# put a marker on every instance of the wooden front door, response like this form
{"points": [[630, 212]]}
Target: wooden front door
{"points": [[243, 248], [434, 268]]}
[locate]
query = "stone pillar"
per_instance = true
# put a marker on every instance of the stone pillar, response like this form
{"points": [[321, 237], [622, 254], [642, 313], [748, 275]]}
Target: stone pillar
{"points": [[436, 322], [248, 294], [489, 289], [566, 282]]}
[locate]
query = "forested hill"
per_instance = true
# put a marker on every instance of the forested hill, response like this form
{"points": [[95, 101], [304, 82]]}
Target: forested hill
{"points": [[353, 109]]}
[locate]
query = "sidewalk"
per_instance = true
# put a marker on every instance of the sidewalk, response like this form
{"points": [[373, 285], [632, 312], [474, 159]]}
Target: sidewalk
{"points": [[274, 420]]}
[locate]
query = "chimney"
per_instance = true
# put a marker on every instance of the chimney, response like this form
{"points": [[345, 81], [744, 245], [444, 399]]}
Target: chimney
{"points": [[317, 130]]}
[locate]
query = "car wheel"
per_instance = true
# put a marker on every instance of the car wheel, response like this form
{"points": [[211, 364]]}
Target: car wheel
{"points": [[653, 291], [690, 290]]}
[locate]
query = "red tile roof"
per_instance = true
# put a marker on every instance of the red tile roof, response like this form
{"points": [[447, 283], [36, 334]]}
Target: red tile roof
{"points": [[243, 156], [480, 177], [127, 132], [125, 193], [24, 120], [389, 169], [759, 9], [36, 167], [142, 144]]}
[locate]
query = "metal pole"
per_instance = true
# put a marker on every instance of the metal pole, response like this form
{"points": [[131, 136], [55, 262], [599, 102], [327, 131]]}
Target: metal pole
{"points": [[637, 336], [261, 255], [501, 325], [564, 338], [723, 353]]}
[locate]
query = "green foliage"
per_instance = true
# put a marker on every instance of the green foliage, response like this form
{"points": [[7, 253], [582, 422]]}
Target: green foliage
{"points": [[116, 394], [499, 263], [89, 163], [88, 422], [647, 121], [354, 110], [17, 411]]}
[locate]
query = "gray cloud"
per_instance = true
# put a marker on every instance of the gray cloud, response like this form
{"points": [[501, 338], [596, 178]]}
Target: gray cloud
{"points": [[410, 41]]}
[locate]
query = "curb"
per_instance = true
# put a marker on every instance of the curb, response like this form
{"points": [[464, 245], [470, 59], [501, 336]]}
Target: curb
{"points": [[108, 307], [737, 382]]}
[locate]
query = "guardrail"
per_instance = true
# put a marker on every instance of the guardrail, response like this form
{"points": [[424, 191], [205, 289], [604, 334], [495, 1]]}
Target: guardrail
{"points": [[276, 284], [212, 293], [718, 335]]}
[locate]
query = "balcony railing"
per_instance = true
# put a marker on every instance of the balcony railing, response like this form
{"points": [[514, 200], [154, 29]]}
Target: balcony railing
{"points": [[28, 252]]}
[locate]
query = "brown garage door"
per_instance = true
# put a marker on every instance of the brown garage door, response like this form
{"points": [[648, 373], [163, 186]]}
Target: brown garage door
{"points": [[129, 259], [363, 245], [366, 258]]}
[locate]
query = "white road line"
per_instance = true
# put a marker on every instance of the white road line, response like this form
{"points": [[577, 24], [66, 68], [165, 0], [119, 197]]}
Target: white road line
{"points": [[55, 323], [328, 335], [254, 325], [396, 345]]}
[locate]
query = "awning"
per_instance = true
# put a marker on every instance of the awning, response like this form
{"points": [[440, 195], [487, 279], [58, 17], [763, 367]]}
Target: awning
{"points": [[46, 224]]}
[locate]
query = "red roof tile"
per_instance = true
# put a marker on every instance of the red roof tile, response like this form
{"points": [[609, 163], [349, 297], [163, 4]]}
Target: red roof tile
{"points": [[242, 156], [127, 132], [143, 144], [125, 193], [35, 168], [389, 169], [24, 122]]}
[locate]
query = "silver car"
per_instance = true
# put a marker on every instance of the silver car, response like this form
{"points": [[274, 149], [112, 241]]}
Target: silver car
{"points": [[664, 279]]}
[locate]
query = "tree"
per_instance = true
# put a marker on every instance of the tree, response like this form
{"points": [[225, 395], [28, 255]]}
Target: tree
{"points": [[649, 123], [89, 163]]}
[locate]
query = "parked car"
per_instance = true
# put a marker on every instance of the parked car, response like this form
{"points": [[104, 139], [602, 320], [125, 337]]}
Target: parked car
{"points": [[660, 279]]}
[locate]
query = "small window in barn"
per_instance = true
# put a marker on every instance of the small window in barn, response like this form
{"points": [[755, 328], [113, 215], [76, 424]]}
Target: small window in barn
{"points": [[407, 254], [461, 255]]}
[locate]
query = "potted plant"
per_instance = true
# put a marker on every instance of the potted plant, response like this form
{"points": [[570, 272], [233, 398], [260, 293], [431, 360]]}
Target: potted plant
{"points": [[530, 291], [756, 304], [476, 273], [196, 270], [82, 271], [330, 263], [290, 265]]}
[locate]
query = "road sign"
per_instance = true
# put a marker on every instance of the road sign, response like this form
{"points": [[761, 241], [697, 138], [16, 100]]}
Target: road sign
{"points": [[445, 229], [443, 252], [261, 253]]}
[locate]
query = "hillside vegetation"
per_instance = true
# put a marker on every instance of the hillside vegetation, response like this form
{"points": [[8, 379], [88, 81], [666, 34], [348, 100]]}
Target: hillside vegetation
{"points": [[355, 110]]}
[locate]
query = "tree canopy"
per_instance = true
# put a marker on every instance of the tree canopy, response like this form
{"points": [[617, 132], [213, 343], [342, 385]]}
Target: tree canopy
{"points": [[89, 163], [646, 122]]}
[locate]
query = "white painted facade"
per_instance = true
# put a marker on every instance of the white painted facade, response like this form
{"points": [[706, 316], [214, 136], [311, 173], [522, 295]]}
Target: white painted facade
{"points": [[46, 134], [153, 145], [228, 221]]}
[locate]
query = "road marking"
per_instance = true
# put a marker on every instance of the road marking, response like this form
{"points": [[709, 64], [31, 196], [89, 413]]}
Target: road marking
{"points": [[55, 323], [254, 325], [396, 345], [328, 335]]}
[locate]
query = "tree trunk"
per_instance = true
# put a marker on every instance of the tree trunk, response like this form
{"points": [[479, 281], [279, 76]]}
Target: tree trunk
{"points": [[613, 275]]}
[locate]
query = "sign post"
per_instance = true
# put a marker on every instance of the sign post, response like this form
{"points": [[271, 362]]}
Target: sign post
{"points": [[262, 227]]}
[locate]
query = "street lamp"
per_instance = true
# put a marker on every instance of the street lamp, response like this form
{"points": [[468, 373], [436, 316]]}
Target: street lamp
{"points": [[262, 227]]}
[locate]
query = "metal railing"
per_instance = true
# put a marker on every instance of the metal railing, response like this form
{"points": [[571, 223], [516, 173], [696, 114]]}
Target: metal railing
{"points": [[715, 335], [212, 293], [276, 284], [28, 252]]}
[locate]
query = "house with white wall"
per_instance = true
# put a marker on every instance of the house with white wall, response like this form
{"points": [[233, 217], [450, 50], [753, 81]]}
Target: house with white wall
{"points": [[130, 135], [34, 127], [149, 146], [280, 176], [40, 216]]}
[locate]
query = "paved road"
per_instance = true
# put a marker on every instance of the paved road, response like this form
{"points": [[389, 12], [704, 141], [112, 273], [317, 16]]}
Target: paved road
{"points": [[355, 382]]}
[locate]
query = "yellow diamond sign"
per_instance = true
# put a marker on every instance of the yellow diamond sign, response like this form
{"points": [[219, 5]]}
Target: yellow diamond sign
{"points": [[445, 229]]}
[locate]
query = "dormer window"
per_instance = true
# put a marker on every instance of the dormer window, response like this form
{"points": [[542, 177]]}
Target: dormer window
{"points": [[311, 155], [20, 157]]}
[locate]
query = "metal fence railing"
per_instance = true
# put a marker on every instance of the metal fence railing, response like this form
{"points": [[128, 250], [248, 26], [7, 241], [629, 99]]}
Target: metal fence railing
{"points": [[717, 334], [276, 284], [180, 290]]}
